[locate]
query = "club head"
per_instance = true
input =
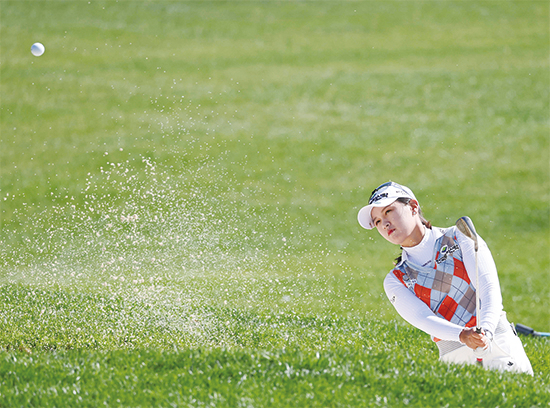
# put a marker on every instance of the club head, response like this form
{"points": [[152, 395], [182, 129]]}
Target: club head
{"points": [[466, 226]]}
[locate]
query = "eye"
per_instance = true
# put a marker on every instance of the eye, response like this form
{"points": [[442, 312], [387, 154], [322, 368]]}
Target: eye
{"points": [[387, 211]]}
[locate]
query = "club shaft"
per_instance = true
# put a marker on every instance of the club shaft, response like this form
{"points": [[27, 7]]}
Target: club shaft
{"points": [[478, 302], [466, 226]]}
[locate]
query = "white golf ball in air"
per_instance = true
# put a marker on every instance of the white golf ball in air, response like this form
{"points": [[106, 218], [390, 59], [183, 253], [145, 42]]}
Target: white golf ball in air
{"points": [[37, 49]]}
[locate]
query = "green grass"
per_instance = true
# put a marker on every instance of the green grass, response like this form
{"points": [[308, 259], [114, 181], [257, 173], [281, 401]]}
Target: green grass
{"points": [[343, 375], [179, 184]]}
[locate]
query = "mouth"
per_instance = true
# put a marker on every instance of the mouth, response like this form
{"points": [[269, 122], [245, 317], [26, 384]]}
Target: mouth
{"points": [[391, 232]]}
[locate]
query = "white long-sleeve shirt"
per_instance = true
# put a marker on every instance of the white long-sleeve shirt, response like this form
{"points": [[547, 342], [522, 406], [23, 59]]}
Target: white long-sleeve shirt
{"points": [[417, 313]]}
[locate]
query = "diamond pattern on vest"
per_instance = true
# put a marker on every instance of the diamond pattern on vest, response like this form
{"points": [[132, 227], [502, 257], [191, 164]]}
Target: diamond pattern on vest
{"points": [[445, 286]]}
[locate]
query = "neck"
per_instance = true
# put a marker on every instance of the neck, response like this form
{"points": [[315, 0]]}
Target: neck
{"points": [[416, 237]]}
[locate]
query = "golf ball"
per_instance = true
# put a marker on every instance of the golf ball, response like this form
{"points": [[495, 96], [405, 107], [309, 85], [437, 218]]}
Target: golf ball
{"points": [[37, 49]]}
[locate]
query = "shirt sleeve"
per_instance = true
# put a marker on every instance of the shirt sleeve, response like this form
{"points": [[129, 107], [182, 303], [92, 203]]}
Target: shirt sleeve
{"points": [[489, 286], [417, 313]]}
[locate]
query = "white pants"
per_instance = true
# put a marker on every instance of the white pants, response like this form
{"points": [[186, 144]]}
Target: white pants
{"points": [[505, 353]]}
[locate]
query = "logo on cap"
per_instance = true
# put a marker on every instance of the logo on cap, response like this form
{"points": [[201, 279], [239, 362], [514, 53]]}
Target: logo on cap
{"points": [[378, 197]]}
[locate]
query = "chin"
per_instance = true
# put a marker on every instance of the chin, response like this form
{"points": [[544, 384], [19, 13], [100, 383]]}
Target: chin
{"points": [[394, 241]]}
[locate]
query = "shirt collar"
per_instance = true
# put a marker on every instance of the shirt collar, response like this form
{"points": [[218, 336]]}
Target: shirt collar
{"points": [[422, 253]]}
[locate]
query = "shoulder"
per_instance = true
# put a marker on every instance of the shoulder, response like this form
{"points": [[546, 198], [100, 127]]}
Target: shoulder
{"points": [[439, 232], [394, 277], [446, 236]]}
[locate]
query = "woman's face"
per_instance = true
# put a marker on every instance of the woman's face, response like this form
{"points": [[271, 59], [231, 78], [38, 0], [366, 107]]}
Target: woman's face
{"points": [[399, 223]]}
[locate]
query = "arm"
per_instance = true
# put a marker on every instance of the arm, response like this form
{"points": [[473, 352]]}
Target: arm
{"points": [[417, 313], [489, 287]]}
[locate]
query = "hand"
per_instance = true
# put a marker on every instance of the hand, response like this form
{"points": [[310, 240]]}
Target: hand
{"points": [[472, 339]]}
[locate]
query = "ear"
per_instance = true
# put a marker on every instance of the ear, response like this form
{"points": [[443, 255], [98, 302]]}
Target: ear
{"points": [[414, 206]]}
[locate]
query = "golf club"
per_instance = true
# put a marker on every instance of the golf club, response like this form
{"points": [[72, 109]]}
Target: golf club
{"points": [[466, 226], [528, 331]]}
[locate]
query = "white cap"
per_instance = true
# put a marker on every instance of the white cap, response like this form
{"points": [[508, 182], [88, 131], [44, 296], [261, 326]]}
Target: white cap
{"points": [[382, 196]]}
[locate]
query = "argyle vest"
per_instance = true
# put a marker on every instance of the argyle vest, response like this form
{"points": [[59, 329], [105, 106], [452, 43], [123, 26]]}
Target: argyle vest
{"points": [[443, 284]]}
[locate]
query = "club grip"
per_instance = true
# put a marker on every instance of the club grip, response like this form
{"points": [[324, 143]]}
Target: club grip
{"points": [[525, 330]]}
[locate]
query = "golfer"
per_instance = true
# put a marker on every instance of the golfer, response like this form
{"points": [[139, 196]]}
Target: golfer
{"points": [[433, 284]]}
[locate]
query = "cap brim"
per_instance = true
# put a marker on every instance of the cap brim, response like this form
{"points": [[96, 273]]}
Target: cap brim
{"points": [[364, 216]]}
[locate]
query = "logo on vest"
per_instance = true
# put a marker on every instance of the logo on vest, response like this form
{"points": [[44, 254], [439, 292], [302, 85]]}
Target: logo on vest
{"points": [[445, 252]]}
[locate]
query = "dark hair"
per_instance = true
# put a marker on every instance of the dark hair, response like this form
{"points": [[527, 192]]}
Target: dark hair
{"points": [[425, 222]]}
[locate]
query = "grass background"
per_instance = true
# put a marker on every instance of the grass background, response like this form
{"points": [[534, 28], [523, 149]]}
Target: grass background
{"points": [[180, 182]]}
